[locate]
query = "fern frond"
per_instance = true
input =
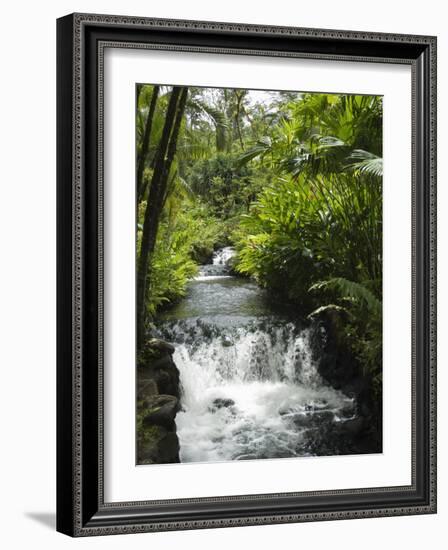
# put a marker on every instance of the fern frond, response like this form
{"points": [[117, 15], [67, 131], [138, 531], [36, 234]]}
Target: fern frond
{"points": [[355, 292]]}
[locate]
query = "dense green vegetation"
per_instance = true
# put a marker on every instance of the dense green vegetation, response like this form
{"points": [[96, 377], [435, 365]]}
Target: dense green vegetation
{"points": [[293, 181]]}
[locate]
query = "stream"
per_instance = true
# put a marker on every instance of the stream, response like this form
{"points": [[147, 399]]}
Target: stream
{"points": [[250, 383]]}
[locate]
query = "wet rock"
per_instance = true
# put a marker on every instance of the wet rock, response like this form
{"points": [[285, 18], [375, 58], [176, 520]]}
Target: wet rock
{"points": [[301, 420], [168, 382], [354, 426], [324, 416], [232, 263], [202, 254], [163, 362], [164, 372], [310, 419], [365, 409], [336, 363], [157, 445], [316, 405], [146, 388], [169, 449], [161, 345], [221, 402], [158, 393], [160, 410], [339, 368], [288, 411], [226, 341], [347, 411]]}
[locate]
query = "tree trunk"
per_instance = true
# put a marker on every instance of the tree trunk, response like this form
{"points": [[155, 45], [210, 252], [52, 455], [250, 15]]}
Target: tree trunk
{"points": [[141, 187], [137, 95], [164, 158], [239, 99]]}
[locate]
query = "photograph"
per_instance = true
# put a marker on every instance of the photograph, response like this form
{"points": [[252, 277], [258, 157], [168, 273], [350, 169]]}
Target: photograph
{"points": [[259, 274], [246, 272]]}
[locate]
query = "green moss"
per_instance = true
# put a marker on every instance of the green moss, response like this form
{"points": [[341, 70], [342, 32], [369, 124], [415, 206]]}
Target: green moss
{"points": [[149, 434], [148, 355]]}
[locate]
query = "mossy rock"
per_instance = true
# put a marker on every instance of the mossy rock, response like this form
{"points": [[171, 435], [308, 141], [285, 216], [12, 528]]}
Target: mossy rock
{"points": [[164, 373], [157, 445], [160, 345], [162, 370], [203, 254], [146, 388], [154, 349], [160, 410]]}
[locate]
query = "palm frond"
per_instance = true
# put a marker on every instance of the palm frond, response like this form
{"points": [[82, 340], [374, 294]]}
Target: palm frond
{"points": [[184, 186], [217, 116], [261, 147], [330, 142], [364, 162]]}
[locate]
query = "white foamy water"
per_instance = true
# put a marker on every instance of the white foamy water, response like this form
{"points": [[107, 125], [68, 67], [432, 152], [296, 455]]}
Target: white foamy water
{"points": [[222, 256], [246, 395], [219, 268], [211, 277]]}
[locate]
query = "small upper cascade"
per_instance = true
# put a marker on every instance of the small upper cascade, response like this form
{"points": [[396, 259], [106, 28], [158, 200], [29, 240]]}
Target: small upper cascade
{"points": [[223, 256], [219, 266]]}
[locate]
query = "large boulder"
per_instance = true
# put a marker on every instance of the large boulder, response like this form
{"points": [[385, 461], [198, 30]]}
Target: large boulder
{"points": [[160, 345], [220, 402], [158, 394], [340, 369], [336, 364], [146, 388], [163, 371], [157, 441], [157, 445], [160, 410]]}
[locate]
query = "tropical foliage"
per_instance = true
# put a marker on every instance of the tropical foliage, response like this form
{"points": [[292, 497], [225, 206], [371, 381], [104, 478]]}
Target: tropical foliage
{"points": [[293, 181]]}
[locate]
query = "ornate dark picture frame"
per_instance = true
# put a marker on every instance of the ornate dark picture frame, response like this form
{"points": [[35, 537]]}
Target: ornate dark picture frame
{"points": [[81, 509]]}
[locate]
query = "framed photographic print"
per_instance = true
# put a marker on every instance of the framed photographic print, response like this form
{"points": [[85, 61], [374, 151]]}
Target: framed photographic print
{"points": [[246, 274]]}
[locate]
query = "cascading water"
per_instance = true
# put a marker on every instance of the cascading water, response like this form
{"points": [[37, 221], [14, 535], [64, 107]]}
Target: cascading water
{"points": [[250, 384], [219, 267], [223, 256]]}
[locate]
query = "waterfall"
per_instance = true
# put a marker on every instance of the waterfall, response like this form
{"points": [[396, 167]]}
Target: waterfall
{"points": [[268, 352], [223, 255], [219, 268], [249, 378], [248, 392]]}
